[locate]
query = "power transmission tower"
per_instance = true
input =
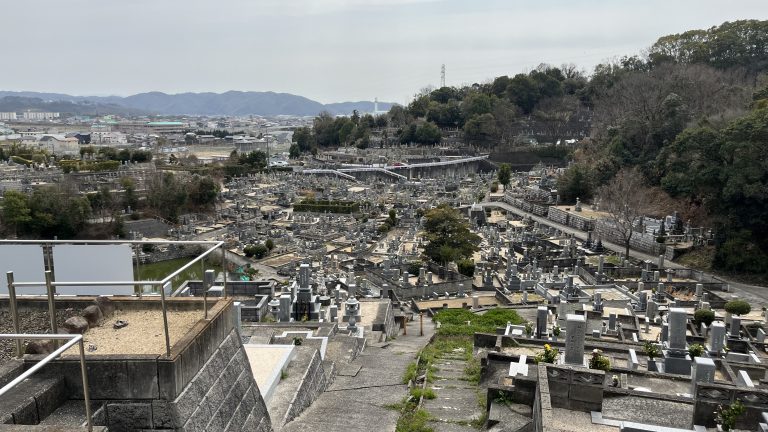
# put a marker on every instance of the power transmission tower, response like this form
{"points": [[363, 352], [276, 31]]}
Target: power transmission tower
{"points": [[442, 76]]}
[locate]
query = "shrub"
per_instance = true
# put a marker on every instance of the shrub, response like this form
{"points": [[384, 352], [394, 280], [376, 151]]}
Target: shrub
{"points": [[651, 349], [528, 329], [414, 267], [549, 355], [705, 316], [696, 350], [599, 361], [466, 267], [270, 244], [727, 416], [494, 187], [556, 330], [738, 307]]}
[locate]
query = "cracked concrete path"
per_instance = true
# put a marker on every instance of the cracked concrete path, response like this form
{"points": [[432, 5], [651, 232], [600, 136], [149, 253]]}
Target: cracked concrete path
{"points": [[456, 404], [358, 400]]}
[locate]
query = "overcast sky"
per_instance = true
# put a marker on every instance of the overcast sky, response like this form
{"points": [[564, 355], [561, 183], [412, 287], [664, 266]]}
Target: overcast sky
{"points": [[327, 50]]}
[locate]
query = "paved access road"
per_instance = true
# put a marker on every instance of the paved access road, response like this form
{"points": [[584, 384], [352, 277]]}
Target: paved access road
{"points": [[752, 293]]}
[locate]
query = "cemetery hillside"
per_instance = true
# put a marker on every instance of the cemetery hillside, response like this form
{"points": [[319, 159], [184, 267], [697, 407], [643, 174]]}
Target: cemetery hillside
{"points": [[552, 250]]}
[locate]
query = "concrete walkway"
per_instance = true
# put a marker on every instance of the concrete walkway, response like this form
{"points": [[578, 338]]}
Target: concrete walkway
{"points": [[358, 398], [753, 293], [456, 403]]}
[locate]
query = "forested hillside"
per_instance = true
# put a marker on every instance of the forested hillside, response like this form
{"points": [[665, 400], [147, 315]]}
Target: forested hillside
{"points": [[691, 113]]}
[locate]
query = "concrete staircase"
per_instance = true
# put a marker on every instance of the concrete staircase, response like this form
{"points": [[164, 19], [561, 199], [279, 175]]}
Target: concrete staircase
{"points": [[456, 403], [32, 400]]}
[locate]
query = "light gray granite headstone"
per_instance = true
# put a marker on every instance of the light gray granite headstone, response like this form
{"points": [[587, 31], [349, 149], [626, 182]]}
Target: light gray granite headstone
{"points": [[677, 320], [575, 329], [716, 336]]}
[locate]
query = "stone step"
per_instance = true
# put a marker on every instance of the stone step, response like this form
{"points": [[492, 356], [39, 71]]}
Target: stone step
{"points": [[438, 384], [33, 399], [439, 426], [454, 404], [71, 413], [453, 356]]}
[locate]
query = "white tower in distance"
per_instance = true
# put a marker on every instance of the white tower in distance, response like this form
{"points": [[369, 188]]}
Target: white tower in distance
{"points": [[375, 105]]}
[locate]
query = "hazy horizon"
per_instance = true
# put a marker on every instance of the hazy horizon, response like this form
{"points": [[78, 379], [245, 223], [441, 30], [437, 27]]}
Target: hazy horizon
{"points": [[330, 51]]}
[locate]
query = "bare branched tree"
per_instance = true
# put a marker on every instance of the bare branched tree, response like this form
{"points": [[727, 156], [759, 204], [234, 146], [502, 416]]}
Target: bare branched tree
{"points": [[626, 199]]}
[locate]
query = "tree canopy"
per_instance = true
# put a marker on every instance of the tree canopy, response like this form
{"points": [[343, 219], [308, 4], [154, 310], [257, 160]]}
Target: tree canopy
{"points": [[448, 234]]}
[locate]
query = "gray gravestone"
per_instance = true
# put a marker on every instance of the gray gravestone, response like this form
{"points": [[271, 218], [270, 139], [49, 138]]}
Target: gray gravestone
{"points": [[676, 359], [716, 336], [642, 301], [677, 320], [541, 322], [703, 372], [305, 272], [651, 309], [735, 330], [575, 329], [285, 308]]}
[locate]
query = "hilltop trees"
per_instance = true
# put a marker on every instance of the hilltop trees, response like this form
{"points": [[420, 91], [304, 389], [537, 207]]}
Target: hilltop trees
{"points": [[488, 114]]}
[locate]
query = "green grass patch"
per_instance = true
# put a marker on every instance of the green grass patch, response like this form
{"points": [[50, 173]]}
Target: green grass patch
{"points": [[428, 393], [414, 421], [411, 372], [453, 322], [446, 344], [472, 371]]}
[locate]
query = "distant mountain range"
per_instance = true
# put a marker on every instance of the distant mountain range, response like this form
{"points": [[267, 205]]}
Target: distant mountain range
{"points": [[231, 103]]}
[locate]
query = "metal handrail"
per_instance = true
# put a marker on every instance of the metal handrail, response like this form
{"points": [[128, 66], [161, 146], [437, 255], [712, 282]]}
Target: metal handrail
{"points": [[73, 339], [165, 283]]}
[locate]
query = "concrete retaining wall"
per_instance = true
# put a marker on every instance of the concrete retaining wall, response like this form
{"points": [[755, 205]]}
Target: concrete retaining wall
{"points": [[313, 383], [223, 396], [205, 383]]}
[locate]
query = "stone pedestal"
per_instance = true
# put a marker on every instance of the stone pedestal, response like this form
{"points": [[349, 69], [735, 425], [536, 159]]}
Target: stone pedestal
{"points": [[677, 362]]}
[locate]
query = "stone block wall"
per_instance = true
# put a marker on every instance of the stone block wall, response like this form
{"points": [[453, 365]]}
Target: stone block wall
{"points": [[223, 396], [313, 383], [565, 218], [537, 209]]}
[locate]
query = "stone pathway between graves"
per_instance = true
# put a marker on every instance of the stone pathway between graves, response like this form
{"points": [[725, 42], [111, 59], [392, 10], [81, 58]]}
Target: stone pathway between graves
{"points": [[456, 406], [363, 393]]}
